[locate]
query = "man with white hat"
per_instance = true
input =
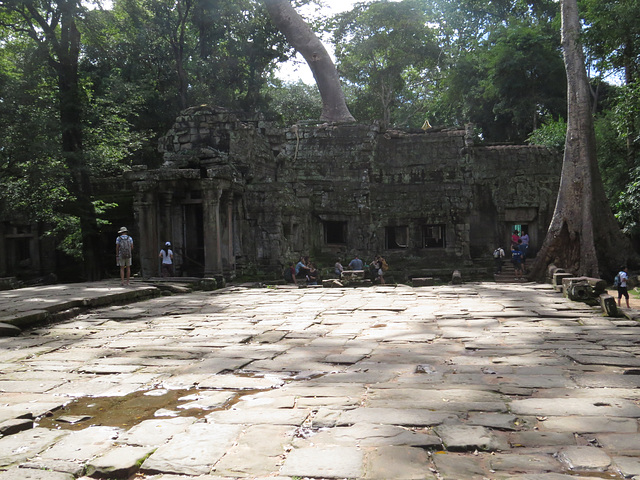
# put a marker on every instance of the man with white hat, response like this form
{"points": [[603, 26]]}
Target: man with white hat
{"points": [[124, 252]]}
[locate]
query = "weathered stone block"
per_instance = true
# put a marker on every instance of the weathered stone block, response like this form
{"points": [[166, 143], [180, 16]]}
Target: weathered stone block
{"points": [[422, 281], [559, 276], [456, 277], [332, 283], [352, 275], [609, 306]]}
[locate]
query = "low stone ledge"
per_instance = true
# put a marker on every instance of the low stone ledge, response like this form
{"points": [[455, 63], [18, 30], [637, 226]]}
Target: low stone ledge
{"points": [[25, 318], [8, 330], [596, 284], [558, 277], [422, 282], [121, 297]]}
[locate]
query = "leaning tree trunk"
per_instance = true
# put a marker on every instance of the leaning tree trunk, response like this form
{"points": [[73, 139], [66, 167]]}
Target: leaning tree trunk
{"points": [[302, 38], [584, 237]]}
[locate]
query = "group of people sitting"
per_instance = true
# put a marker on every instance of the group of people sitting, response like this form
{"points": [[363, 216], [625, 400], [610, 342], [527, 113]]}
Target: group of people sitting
{"points": [[304, 271], [377, 267]]}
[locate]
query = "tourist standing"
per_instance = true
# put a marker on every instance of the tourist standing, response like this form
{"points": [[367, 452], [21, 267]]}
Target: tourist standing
{"points": [[124, 252], [498, 258], [167, 260]]}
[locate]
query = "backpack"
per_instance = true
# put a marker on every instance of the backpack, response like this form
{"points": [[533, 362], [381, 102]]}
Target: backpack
{"points": [[616, 280], [496, 253], [385, 266], [125, 247]]}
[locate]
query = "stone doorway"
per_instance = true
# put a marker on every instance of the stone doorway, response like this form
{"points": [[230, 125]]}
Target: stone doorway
{"points": [[193, 240]]}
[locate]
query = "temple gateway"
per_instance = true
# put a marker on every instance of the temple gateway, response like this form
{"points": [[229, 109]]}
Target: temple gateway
{"points": [[237, 194]]}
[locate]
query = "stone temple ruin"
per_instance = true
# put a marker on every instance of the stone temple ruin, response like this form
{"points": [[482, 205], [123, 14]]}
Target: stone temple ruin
{"points": [[236, 193]]}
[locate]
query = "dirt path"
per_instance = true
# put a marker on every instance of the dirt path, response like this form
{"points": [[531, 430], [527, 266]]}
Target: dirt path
{"points": [[634, 301]]}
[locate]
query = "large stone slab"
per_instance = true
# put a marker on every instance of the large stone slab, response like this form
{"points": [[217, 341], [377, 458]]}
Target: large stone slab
{"points": [[620, 443], [575, 406], [119, 462], [324, 462], [155, 432], [368, 435], [258, 451], [452, 466], [254, 416], [17, 448], [400, 416], [577, 424], [463, 438], [524, 463], [584, 458], [384, 463], [31, 474], [195, 452], [83, 445], [627, 466]]}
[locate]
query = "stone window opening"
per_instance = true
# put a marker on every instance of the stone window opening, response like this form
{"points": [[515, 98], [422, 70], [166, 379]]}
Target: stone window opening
{"points": [[433, 236], [396, 237], [335, 232]]}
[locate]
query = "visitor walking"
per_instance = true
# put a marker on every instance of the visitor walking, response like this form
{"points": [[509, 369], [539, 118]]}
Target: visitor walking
{"points": [[516, 259], [623, 276]]}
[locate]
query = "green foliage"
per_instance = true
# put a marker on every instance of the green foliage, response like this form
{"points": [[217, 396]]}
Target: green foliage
{"points": [[383, 49], [292, 102], [552, 134]]}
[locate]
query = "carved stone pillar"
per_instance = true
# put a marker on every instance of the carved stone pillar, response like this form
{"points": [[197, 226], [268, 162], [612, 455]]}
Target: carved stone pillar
{"points": [[211, 221], [228, 257], [145, 213], [165, 230]]}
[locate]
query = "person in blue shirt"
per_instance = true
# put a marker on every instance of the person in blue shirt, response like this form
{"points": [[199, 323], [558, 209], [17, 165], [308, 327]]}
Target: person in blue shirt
{"points": [[516, 259], [302, 270], [356, 264]]}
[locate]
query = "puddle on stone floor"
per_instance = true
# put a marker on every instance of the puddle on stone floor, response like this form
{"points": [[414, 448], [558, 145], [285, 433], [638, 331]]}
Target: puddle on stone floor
{"points": [[129, 410]]}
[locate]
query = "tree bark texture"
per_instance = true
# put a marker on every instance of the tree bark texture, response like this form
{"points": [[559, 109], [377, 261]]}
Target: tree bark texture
{"points": [[583, 237], [302, 38]]}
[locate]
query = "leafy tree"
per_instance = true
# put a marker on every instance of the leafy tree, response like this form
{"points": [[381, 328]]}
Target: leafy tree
{"points": [[504, 68], [53, 27], [384, 49]]}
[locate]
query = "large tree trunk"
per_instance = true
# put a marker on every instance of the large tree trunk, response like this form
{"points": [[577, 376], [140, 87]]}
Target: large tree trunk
{"points": [[302, 38], [66, 65], [584, 237]]}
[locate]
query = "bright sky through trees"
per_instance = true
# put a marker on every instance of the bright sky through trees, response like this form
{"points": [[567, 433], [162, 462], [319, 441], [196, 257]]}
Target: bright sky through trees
{"points": [[296, 68]]}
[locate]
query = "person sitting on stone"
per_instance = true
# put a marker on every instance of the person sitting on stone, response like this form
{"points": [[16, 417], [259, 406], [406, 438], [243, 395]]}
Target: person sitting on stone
{"points": [[356, 264], [302, 270], [338, 268], [312, 276]]}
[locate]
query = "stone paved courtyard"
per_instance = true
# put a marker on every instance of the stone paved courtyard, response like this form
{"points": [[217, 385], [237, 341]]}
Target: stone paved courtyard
{"points": [[476, 381]]}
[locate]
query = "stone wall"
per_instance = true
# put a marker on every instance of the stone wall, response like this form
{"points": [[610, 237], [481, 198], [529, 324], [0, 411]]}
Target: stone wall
{"points": [[266, 195]]}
